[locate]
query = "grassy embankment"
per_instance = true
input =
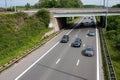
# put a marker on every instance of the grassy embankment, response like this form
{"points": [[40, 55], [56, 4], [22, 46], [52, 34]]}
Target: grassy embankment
{"points": [[113, 42], [115, 56], [112, 36], [19, 32]]}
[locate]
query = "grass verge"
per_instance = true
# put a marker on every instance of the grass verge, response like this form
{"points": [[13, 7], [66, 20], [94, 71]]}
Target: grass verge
{"points": [[19, 49], [115, 56]]}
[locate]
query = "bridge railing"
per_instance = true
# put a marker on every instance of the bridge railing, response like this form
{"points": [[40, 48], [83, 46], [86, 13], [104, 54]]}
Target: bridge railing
{"points": [[111, 71], [63, 10]]}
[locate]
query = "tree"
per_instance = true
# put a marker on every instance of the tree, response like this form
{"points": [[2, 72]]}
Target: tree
{"points": [[60, 3], [113, 30], [27, 6], [116, 6], [43, 16]]}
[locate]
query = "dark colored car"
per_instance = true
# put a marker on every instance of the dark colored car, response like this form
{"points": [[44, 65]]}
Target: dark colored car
{"points": [[91, 33], [87, 24], [81, 24], [65, 39], [84, 17], [77, 43], [91, 18], [89, 51]]}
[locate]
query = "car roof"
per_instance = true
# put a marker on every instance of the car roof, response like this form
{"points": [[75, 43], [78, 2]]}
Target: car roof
{"points": [[65, 35]]}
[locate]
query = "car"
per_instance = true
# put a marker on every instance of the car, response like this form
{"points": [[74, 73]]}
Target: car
{"points": [[81, 24], [91, 18], [87, 24], [92, 23], [84, 17], [65, 39], [91, 33], [76, 43], [89, 51]]}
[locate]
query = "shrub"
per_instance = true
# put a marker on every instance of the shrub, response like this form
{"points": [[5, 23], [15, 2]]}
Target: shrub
{"points": [[44, 16]]}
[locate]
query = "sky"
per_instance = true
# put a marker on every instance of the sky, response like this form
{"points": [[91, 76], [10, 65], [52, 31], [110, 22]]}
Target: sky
{"points": [[32, 2], [100, 2]]}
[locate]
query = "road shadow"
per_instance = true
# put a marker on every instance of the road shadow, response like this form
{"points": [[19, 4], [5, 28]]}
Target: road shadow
{"points": [[70, 74], [68, 27]]}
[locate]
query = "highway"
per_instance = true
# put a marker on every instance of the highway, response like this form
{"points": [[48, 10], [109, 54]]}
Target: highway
{"points": [[63, 62]]}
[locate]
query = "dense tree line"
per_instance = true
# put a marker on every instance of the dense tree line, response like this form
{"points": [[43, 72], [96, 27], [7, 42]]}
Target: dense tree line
{"points": [[92, 6], [116, 6], [59, 4], [113, 30]]}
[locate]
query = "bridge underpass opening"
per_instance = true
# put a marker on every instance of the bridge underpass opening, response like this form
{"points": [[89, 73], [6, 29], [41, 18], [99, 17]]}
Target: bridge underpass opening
{"points": [[64, 22]]}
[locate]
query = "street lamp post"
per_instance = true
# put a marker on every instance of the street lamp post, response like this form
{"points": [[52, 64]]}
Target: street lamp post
{"points": [[5, 4], [15, 8], [104, 4], [106, 15]]}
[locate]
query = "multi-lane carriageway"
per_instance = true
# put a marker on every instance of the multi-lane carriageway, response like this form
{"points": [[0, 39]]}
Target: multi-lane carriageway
{"points": [[63, 62]]}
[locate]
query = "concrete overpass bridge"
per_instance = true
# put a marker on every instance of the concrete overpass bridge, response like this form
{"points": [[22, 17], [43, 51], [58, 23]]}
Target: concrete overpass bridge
{"points": [[59, 15], [69, 12]]}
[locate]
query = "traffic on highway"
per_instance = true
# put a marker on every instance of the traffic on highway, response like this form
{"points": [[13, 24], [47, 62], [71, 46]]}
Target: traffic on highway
{"points": [[73, 57]]}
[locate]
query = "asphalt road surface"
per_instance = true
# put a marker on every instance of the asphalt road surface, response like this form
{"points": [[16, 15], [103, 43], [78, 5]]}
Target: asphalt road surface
{"points": [[63, 62]]}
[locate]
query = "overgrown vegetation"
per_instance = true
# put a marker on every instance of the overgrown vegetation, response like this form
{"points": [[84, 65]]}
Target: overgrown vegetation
{"points": [[19, 32], [113, 41]]}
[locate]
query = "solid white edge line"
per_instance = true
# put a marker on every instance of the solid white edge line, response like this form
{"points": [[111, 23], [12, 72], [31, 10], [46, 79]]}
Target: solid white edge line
{"points": [[78, 62], [36, 61], [58, 61], [44, 54], [97, 55], [98, 76]]}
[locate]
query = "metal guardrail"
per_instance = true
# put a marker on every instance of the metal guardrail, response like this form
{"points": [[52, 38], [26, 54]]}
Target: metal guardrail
{"points": [[111, 71]]}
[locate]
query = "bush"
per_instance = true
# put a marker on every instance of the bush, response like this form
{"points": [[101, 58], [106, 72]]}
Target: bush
{"points": [[117, 42], [19, 32], [44, 16], [111, 34]]}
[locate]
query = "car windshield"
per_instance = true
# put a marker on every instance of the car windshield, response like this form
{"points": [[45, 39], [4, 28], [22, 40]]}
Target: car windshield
{"points": [[76, 42], [89, 49], [92, 32], [64, 36]]}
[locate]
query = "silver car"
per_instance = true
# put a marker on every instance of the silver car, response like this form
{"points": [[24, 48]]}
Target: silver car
{"points": [[91, 33], [89, 51]]}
